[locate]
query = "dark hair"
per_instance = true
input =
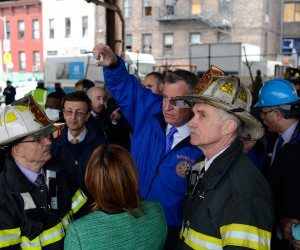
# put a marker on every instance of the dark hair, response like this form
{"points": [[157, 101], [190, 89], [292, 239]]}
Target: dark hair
{"points": [[55, 95], [182, 75], [158, 76], [111, 178], [77, 97]]}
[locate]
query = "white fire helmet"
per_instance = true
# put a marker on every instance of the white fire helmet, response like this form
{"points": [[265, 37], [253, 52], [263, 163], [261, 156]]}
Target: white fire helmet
{"points": [[22, 118], [226, 92]]}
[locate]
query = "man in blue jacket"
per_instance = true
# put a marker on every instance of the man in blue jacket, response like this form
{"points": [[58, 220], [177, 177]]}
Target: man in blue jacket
{"points": [[161, 173]]}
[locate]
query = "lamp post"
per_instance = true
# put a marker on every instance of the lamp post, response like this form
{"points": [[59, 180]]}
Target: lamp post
{"points": [[6, 47]]}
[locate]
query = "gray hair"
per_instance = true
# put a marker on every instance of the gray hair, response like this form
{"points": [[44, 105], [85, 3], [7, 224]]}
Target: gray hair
{"points": [[224, 116]]}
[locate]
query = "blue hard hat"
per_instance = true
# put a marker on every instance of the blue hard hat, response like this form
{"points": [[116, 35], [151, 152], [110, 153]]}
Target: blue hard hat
{"points": [[276, 92]]}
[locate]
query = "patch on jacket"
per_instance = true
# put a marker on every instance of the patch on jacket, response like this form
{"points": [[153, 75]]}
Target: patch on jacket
{"points": [[28, 201], [181, 167]]}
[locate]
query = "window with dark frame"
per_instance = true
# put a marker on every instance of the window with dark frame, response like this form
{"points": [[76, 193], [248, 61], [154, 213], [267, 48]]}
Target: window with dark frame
{"points": [[147, 11], [36, 60], [22, 60], [127, 9], [7, 30], [67, 27], [147, 43], [196, 7], [168, 43], [51, 28], [169, 7], [35, 29], [128, 42], [85, 26], [195, 38], [21, 30], [291, 12]]}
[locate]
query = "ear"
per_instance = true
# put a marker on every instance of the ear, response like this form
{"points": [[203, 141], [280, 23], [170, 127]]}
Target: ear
{"points": [[15, 150], [277, 114], [229, 126], [161, 87]]}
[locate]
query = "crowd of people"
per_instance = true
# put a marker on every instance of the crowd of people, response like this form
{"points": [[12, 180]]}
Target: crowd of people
{"points": [[174, 162]]}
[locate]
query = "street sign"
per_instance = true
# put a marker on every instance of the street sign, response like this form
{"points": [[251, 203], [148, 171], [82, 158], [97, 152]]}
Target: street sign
{"points": [[7, 58]]}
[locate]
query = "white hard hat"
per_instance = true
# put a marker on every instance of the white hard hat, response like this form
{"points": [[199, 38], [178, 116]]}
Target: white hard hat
{"points": [[226, 92], [22, 118]]}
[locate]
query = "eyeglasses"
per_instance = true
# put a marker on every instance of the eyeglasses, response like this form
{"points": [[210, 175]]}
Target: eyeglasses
{"points": [[77, 113], [181, 103], [37, 139], [263, 113]]}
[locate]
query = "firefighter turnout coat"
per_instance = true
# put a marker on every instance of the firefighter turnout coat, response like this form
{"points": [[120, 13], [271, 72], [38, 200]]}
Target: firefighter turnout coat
{"points": [[32, 218], [231, 207]]}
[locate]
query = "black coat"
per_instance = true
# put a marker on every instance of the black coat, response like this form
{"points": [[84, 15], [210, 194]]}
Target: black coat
{"points": [[284, 176], [9, 93], [25, 208], [231, 206], [115, 133]]}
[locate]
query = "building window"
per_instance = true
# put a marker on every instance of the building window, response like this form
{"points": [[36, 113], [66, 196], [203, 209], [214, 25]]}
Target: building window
{"points": [[291, 12], [36, 61], [196, 7], [51, 28], [168, 43], [7, 30], [35, 29], [85, 26], [147, 11], [224, 9], [21, 29], [67, 27], [127, 8], [22, 60], [169, 5], [195, 38], [129, 42], [147, 43]]}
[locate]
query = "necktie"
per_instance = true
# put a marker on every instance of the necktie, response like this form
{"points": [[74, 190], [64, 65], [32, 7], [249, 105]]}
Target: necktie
{"points": [[169, 139], [279, 143], [74, 140], [40, 181]]}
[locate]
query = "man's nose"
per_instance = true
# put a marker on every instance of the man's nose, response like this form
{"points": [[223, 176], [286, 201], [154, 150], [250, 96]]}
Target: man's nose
{"points": [[168, 105]]}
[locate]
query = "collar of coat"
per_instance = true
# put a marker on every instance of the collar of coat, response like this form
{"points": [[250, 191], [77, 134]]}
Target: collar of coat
{"points": [[14, 179], [221, 165]]}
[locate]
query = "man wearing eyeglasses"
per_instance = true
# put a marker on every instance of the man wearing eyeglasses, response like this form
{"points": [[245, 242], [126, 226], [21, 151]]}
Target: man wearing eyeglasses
{"points": [[76, 142], [160, 142], [38, 198], [280, 110]]}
